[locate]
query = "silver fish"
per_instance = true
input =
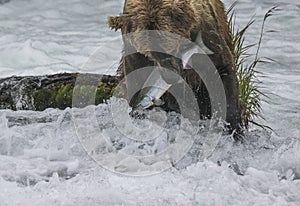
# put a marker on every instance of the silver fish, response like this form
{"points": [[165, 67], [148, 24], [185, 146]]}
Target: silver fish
{"points": [[154, 88]]}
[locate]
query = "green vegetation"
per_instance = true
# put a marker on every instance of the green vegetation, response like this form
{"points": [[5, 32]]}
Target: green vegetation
{"points": [[61, 96], [7, 102], [250, 92]]}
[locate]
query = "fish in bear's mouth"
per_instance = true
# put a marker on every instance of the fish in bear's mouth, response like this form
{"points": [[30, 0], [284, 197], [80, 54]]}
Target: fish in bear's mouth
{"points": [[160, 80]]}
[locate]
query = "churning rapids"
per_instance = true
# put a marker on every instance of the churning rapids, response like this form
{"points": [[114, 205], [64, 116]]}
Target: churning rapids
{"points": [[46, 158]]}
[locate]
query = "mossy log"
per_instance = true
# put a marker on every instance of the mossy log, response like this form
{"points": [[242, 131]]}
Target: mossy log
{"points": [[51, 91]]}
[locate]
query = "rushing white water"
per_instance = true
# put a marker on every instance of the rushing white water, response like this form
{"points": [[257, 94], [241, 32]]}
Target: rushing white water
{"points": [[43, 162], [43, 156]]}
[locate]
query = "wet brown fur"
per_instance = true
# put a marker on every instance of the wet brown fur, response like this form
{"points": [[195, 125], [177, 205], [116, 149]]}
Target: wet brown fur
{"points": [[186, 18]]}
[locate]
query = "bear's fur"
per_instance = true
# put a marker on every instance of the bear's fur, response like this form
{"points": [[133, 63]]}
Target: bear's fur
{"points": [[187, 18]]}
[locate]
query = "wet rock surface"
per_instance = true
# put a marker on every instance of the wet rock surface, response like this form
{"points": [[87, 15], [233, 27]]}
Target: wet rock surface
{"points": [[51, 91]]}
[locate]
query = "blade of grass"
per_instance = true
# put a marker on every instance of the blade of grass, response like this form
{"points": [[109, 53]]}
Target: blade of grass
{"points": [[250, 92]]}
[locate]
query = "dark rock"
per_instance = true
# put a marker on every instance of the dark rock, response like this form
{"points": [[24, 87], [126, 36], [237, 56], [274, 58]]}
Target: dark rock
{"points": [[52, 91]]}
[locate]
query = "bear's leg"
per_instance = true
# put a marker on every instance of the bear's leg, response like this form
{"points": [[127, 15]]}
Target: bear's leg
{"points": [[134, 81], [230, 82], [197, 85]]}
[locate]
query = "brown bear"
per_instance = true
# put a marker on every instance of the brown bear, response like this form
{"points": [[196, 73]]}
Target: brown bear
{"points": [[187, 18]]}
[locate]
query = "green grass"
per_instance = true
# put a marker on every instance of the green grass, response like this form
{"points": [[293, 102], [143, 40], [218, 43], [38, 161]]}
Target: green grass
{"points": [[246, 64]]}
